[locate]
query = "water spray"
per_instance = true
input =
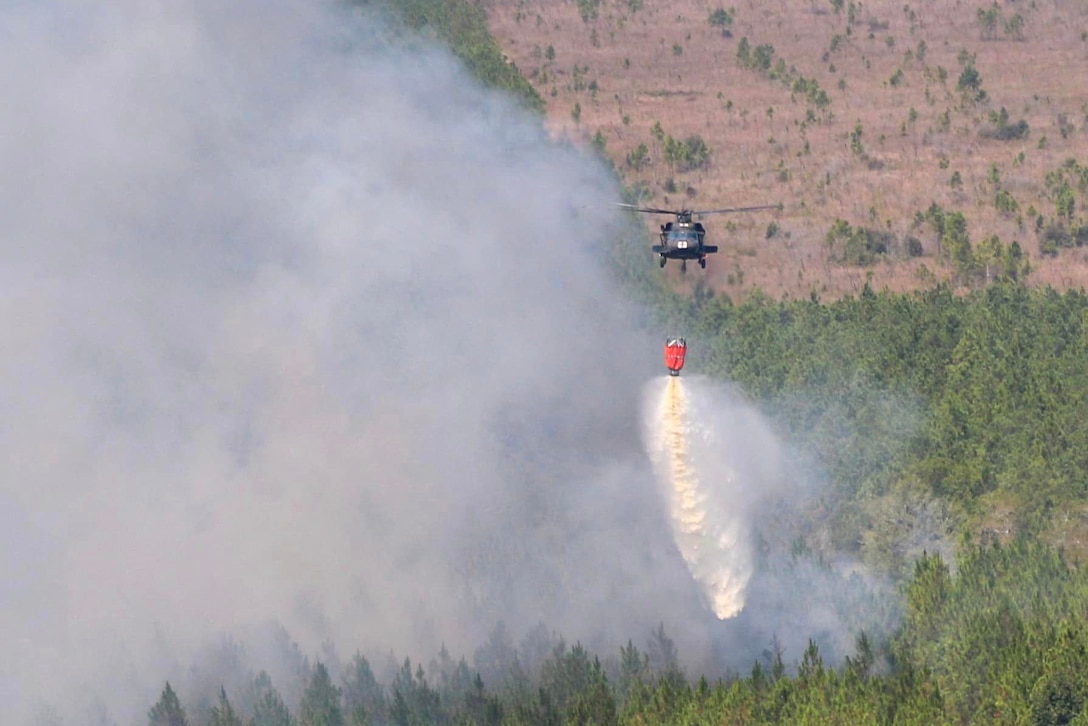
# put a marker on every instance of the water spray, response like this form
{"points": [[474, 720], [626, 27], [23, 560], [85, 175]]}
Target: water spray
{"points": [[700, 488]]}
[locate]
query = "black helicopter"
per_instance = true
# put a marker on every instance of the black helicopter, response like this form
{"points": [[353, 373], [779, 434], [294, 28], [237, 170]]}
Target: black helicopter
{"points": [[684, 239]]}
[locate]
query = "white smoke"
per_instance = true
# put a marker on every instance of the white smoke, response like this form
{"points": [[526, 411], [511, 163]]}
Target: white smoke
{"points": [[714, 458], [299, 325]]}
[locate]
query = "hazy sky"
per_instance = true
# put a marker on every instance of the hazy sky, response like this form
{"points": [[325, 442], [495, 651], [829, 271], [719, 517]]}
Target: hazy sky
{"points": [[301, 326]]}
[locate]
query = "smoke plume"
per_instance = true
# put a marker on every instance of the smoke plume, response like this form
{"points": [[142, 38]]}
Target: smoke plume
{"points": [[300, 326]]}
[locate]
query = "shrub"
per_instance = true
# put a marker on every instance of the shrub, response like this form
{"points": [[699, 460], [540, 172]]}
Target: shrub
{"points": [[1002, 129], [1080, 235], [1005, 203], [1054, 236], [970, 84], [721, 18], [691, 153], [639, 157], [858, 246], [588, 9]]}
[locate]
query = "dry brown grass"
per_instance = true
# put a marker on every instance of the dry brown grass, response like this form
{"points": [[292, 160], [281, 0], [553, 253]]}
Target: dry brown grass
{"points": [[756, 131]]}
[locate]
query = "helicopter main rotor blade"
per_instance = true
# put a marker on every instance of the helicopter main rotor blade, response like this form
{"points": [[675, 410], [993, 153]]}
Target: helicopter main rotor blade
{"points": [[738, 209], [648, 210]]}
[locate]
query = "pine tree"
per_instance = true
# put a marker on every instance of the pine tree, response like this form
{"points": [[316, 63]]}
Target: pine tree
{"points": [[481, 709], [494, 659], [268, 707], [364, 698], [321, 701], [168, 711], [565, 674], [663, 658], [223, 714], [595, 703], [634, 667], [414, 701]]}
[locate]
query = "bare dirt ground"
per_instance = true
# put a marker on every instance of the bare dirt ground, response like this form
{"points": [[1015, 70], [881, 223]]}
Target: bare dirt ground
{"points": [[890, 70]]}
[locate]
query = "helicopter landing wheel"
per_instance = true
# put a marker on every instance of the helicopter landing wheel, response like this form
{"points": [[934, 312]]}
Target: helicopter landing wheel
{"points": [[702, 263], [662, 262]]}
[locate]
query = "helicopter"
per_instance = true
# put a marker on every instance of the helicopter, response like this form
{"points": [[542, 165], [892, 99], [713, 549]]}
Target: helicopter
{"points": [[684, 239]]}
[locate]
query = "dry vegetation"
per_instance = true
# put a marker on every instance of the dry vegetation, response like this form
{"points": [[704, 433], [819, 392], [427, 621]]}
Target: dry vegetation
{"points": [[889, 69]]}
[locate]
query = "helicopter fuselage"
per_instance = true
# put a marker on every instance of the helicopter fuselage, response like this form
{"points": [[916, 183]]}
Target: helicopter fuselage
{"points": [[682, 240]]}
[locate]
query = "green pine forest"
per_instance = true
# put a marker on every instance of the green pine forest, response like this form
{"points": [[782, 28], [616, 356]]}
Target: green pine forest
{"points": [[952, 425]]}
